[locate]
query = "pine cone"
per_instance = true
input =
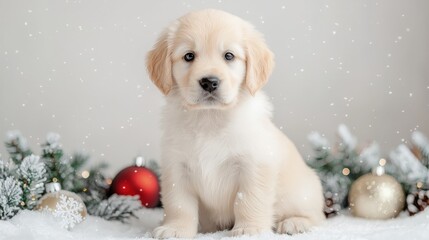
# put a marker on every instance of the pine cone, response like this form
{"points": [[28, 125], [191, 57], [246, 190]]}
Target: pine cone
{"points": [[332, 206], [417, 201]]}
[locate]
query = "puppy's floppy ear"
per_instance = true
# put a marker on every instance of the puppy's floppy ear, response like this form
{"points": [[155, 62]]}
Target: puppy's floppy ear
{"points": [[158, 64], [259, 61]]}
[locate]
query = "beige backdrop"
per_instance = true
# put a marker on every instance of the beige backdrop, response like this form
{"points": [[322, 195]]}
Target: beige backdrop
{"points": [[77, 68]]}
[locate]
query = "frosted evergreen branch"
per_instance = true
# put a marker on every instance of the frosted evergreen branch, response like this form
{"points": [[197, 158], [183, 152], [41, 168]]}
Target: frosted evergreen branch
{"points": [[10, 197], [116, 207], [16, 146], [321, 148], [422, 143], [95, 187], [32, 176], [337, 184], [349, 141], [53, 140], [66, 173], [408, 165], [369, 157], [318, 141], [4, 169], [52, 155], [72, 181]]}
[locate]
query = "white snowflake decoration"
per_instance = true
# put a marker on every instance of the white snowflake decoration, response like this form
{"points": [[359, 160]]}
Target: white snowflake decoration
{"points": [[68, 210]]}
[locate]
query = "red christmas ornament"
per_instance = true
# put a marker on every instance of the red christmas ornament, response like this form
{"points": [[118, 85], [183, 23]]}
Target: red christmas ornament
{"points": [[137, 180]]}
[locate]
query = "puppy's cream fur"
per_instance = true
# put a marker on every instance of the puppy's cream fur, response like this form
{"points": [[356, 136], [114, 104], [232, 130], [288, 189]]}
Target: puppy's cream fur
{"points": [[224, 164]]}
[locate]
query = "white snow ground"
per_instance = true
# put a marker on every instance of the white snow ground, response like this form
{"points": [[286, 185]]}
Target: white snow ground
{"points": [[40, 226]]}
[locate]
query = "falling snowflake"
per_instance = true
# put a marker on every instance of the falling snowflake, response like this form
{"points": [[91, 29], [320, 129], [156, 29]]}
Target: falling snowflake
{"points": [[68, 210], [240, 195]]}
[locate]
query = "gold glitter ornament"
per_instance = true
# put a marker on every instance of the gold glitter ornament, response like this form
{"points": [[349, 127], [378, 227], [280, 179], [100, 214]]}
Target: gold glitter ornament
{"points": [[66, 206], [376, 196]]}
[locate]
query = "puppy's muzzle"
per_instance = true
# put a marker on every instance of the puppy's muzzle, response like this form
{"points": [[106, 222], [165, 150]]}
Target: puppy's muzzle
{"points": [[209, 84]]}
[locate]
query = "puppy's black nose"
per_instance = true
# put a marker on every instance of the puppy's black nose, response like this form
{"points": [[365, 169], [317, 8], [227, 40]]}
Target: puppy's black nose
{"points": [[209, 84]]}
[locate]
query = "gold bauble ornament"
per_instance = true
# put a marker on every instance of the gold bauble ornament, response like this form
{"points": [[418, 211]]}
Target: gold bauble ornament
{"points": [[66, 206], [376, 196]]}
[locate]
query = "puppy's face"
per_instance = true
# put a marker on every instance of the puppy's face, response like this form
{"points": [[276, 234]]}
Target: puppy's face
{"points": [[207, 57], [208, 64]]}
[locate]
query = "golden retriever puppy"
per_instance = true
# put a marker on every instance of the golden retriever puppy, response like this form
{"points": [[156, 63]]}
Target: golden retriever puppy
{"points": [[224, 165]]}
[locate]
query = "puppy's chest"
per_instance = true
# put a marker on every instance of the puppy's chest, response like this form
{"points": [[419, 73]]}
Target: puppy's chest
{"points": [[216, 183], [213, 165], [213, 157]]}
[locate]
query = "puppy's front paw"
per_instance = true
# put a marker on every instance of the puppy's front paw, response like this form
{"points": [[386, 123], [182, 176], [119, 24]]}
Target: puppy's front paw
{"points": [[238, 231], [294, 225], [167, 231]]}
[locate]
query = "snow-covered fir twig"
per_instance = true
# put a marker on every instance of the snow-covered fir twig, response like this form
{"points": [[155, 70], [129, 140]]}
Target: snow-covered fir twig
{"points": [[321, 149], [369, 157], [336, 184], [10, 197], [17, 146], [318, 141], [116, 207], [32, 176], [409, 166], [422, 143], [52, 155], [72, 181], [348, 140], [4, 169], [53, 140]]}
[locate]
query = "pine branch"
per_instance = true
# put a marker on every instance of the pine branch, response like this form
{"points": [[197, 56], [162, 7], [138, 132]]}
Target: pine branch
{"points": [[17, 146], [72, 181], [10, 197], [322, 155], [348, 140], [116, 207], [369, 157], [422, 143], [4, 169], [52, 155], [95, 186], [336, 184], [31, 175], [78, 160], [407, 168]]}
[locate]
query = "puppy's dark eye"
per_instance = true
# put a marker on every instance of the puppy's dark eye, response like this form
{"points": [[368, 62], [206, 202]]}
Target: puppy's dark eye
{"points": [[229, 56], [189, 57]]}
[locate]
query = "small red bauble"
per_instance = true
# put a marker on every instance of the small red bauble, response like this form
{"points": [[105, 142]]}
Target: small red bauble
{"points": [[136, 180]]}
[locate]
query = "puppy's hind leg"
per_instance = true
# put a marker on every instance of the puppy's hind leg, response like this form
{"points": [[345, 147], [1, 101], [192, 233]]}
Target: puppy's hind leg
{"points": [[301, 211], [298, 224]]}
